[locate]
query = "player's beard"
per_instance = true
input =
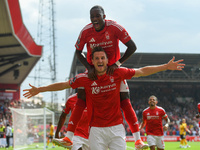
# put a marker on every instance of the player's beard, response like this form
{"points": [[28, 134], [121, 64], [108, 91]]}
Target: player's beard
{"points": [[101, 72], [152, 104]]}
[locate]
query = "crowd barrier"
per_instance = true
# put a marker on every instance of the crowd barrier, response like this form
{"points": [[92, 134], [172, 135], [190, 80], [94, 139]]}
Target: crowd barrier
{"points": [[167, 138]]}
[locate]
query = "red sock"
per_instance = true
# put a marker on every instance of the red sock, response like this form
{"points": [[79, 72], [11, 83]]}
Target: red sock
{"points": [[76, 115], [130, 115], [199, 107]]}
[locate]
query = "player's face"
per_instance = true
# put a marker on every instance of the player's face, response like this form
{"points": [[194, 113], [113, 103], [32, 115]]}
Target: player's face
{"points": [[97, 18], [152, 101], [100, 62]]}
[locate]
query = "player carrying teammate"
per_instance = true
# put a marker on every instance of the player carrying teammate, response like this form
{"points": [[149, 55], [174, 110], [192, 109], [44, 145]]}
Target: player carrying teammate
{"points": [[107, 34], [103, 100], [152, 118]]}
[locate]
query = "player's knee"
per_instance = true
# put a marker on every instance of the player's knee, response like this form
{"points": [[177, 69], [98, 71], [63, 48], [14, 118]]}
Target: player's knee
{"points": [[81, 94], [124, 95]]}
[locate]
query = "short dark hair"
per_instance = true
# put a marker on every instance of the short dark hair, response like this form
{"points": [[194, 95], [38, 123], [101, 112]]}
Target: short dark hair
{"points": [[97, 7], [154, 97], [98, 49]]}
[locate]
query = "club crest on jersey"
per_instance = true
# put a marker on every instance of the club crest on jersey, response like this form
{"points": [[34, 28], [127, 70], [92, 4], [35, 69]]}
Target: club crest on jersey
{"points": [[95, 90], [156, 113], [111, 79], [107, 35]]}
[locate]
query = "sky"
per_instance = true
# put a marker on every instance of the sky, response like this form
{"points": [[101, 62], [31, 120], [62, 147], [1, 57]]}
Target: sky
{"points": [[156, 26]]}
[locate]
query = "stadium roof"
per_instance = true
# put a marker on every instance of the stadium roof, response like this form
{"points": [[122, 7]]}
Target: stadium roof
{"points": [[18, 51], [191, 72]]}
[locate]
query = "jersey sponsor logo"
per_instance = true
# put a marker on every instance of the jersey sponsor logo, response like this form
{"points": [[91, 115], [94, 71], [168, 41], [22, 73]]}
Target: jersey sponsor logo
{"points": [[92, 40], [95, 90], [152, 117], [102, 44], [102, 89], [94, 84], [126, 35]]}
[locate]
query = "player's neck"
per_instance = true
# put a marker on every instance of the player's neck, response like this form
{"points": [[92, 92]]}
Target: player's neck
{"points": [[152, 107], [101, 73]]}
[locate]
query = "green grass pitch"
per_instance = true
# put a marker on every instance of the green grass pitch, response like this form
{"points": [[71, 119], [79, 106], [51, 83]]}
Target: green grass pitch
{"points": [[130, 146]]}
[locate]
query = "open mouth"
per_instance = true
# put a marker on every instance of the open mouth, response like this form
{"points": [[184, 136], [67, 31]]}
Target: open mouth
{"points": [[100, 65], [96, 25]]}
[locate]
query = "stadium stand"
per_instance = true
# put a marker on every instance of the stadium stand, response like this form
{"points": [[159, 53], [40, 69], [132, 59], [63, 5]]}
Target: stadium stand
{"points": [[18, 55]]}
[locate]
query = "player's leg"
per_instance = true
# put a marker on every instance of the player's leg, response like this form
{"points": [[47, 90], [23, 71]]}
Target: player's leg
{"points": [[186, 143], [130, 115], [48, 140], [75, 117], [151, 141], [98, 138], [51, 140], [181, 141], [117, 136], [80, 143], [160, 142]]}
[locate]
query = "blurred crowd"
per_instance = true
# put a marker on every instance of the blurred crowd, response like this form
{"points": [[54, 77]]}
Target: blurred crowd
{"points": [[178, 103]]}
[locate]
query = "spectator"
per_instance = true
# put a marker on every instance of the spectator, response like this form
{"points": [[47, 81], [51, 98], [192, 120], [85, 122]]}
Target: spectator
{"points": [[8, 132]]}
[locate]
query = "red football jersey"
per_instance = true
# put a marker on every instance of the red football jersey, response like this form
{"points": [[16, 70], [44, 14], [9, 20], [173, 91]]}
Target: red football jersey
{"points": [[153, 118], [198, 106], [103, 96], [83, 125], [108, 39]]}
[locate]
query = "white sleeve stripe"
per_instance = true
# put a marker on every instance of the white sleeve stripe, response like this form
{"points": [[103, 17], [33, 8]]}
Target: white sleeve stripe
{"points": [[85, 28], [116, 25]]}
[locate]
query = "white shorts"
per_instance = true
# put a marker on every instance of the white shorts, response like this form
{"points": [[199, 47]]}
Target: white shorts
{"points": [[79, 142], [156, 140], [123, 87], [102, 138]]}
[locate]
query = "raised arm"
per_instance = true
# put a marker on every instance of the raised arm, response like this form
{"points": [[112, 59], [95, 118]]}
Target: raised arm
{"points": [[52, 87], [149, 70], [131, 48], [83, 60]]}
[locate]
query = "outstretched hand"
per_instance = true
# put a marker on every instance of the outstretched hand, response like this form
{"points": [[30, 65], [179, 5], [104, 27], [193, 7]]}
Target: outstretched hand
{"points": [[175, 65], [31, 92]]}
